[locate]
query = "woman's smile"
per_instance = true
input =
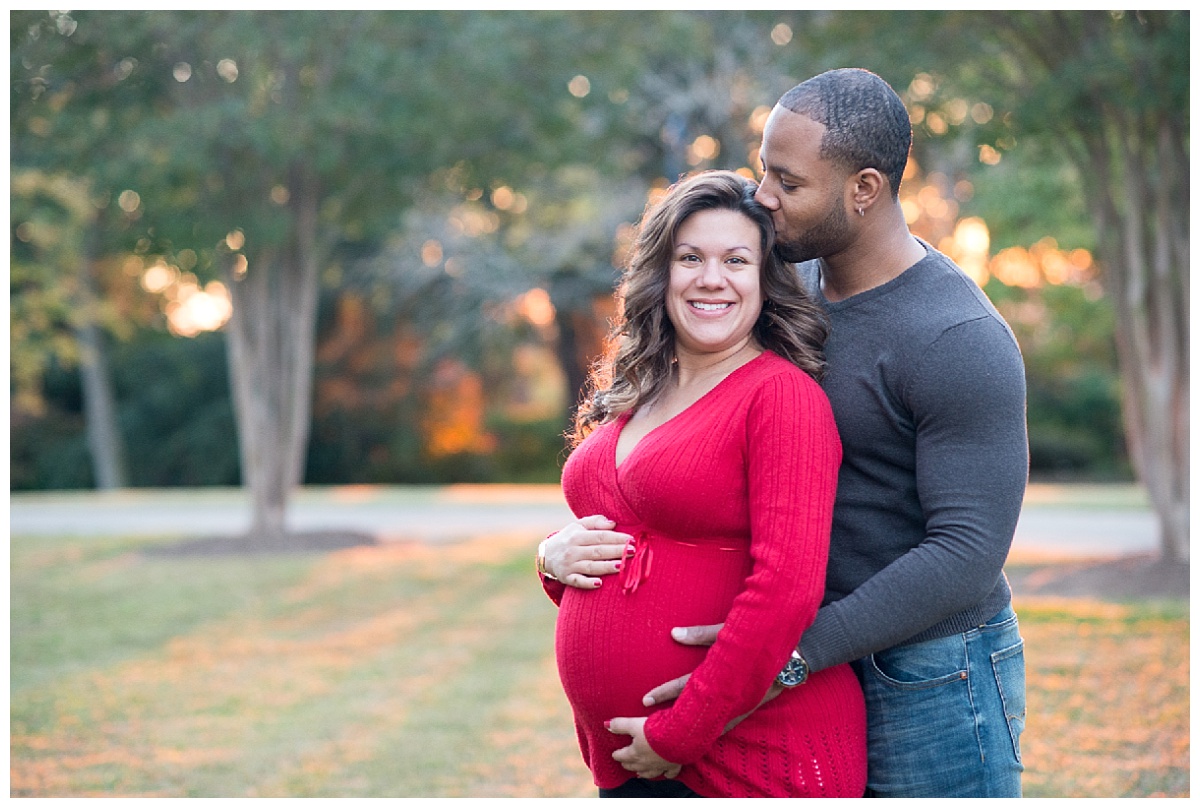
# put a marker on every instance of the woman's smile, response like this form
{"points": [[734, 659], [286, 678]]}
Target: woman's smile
{"points": [[715, 294]]}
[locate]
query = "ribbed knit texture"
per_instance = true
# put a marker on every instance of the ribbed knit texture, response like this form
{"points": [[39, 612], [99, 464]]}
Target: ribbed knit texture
{"points": [[927, 385], [731, 504]]}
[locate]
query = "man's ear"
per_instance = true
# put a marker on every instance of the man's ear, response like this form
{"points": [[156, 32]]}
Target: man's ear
{"points": [[866, 187]]}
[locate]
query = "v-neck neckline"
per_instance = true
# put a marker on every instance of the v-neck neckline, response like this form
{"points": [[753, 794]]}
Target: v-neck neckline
{"points": [[623, 420]]}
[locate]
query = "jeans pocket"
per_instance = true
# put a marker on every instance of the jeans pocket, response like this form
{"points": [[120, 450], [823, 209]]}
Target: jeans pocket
{"points": [[922, 665], [1008, 665]]}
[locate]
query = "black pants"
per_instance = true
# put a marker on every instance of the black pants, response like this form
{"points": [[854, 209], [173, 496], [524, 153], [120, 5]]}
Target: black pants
{"points": [[637, 787]]}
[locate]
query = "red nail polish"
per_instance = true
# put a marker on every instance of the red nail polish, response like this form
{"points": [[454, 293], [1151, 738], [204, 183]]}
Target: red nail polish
{"points": [[618, 566], [608, 725]]}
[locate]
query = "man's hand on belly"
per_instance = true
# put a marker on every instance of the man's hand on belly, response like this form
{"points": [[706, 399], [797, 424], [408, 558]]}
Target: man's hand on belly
{"points": [[687, 635], [669, 691]]}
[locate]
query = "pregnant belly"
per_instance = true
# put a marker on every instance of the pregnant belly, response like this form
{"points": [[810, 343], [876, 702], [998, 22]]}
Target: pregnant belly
{"points": [[613, 646]]}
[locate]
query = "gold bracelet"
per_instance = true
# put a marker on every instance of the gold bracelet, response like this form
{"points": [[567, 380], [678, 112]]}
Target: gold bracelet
{"points": [[540, 561]]}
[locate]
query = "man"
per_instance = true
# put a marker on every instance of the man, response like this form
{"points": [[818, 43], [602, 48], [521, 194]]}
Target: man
{"points": [[927, 387]]}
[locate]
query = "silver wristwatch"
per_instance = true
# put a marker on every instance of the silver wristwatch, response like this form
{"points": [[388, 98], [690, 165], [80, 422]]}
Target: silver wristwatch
{"points": [[795, 672]]}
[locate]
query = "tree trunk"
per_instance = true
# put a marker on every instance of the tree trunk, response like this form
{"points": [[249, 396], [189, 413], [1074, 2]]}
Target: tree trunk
{"points": [[1127, 134], [1141, 215], [580, 338], [99, 403], [567, 351], [271, 342]]}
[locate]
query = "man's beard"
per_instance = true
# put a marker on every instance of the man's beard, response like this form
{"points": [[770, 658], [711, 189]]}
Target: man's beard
{"points": [[826, 238]]}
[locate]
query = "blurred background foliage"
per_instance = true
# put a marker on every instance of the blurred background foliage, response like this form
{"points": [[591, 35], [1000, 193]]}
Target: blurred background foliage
{"points": [[487, 170]]}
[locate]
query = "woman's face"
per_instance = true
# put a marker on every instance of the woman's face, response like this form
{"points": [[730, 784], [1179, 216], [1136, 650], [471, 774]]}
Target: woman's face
{"points": [[715, 294]]}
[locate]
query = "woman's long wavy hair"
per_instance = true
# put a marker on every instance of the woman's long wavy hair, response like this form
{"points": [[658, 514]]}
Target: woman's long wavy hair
{"points": [[640, 351]]}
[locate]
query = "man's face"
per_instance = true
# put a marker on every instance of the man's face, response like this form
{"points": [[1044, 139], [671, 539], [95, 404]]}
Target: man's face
{"points": [[805, 193]]}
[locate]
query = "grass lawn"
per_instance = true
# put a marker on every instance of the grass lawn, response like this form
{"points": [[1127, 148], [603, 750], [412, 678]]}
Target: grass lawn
{"points": [[406, 671]]}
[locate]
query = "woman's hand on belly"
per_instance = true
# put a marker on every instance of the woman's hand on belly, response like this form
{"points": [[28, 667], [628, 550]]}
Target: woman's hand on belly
{"points": [[638, 757], [584, 550]]}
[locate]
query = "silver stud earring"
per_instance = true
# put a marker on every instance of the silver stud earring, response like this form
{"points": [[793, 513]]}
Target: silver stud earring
{"points": [[860, 212]]}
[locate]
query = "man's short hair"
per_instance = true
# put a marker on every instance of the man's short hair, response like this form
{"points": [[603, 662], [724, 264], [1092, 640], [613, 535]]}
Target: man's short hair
{"points": [[867, 125]]}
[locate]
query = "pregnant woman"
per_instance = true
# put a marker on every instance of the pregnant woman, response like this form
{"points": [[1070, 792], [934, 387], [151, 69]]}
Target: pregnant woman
{"points": [[706, 439]]}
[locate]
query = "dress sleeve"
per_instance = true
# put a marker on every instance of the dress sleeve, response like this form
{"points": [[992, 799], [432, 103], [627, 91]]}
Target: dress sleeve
{"points": [[792, 456], [972, 462], [554, 589]]}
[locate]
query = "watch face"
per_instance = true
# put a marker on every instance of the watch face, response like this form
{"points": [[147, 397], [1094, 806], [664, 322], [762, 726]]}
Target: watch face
{"points": [[794, 673]]}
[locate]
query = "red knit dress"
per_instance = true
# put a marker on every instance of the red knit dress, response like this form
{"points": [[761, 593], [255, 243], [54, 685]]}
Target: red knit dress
{"points": [[730, 503]]}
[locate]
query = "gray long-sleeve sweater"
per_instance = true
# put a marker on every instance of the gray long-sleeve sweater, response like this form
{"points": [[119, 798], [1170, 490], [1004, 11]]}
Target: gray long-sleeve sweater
{"points": [[928, 390]]}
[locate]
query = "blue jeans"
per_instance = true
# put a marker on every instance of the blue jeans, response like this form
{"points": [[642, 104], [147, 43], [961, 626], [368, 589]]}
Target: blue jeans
{"points": [[944, 717]]}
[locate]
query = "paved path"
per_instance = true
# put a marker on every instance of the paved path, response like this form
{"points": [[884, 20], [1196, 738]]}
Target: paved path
{"points": [[1056, 521]]}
